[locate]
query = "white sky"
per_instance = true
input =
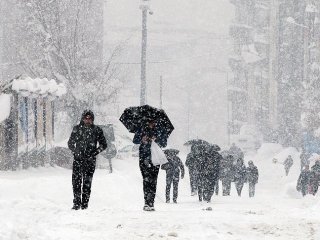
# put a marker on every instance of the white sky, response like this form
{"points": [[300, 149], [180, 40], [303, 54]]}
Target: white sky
{"points": [[123, 19], [179, 30]]}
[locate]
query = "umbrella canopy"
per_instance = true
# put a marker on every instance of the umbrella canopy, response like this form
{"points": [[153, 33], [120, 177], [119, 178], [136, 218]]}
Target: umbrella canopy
{"points": [[134, 118], [203, 144], [171, 151], [197, 142]]}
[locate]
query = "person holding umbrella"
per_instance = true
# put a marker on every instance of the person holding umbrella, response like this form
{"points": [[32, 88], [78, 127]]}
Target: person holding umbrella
{"points": [[149, 125], [172, 168]]}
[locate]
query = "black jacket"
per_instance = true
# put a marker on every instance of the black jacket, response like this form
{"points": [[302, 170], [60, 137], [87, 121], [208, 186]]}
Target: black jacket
{"points": [[173, 167], [252, 174], [145, 149], [84, 139], [226, 168], [304, 179], [240, 172]]}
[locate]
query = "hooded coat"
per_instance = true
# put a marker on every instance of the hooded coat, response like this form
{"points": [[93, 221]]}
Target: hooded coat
{"points": [[84, 139]]}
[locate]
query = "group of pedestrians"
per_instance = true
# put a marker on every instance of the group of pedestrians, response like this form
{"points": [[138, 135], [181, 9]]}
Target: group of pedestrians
{"points": [[206, 165], [207, 168], [309, 180]]}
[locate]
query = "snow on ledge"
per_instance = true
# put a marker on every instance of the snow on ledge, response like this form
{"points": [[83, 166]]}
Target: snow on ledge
{"points": [[5, 100], [34, 87]]}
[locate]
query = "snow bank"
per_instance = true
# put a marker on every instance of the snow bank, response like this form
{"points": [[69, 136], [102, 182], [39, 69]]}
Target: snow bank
{"points": [[5, 100], [281, 157], [268, 150]]}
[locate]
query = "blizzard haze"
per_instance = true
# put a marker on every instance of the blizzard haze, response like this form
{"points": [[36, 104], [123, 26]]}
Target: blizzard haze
{"points": [[190, 43]]}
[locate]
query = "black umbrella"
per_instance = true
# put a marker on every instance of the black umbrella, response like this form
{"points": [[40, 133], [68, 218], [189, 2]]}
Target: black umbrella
{"points": [[171, 151], [134, 118], [203, 144], [197, 142]]}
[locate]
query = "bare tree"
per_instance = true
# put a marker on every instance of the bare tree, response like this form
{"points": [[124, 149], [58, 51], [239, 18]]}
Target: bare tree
{"points": [[63, 39]]}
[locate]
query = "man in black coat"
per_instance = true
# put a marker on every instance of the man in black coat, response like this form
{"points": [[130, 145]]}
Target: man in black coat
{"points": [[83, 144], [144, 136], [252, 177], [172, 167]]}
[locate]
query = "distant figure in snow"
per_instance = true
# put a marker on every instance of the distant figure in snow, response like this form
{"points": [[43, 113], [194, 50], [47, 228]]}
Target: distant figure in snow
{"points": [[172, 168], [252, 177], [315, 177], [239, 175], [83, 144], [226, 174], [191, 164], [303, 182], [288, 164], [207, 166]]}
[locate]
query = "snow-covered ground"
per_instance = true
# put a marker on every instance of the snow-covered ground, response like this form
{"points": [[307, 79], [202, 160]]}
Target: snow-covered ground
{"points": [[35, 204]]}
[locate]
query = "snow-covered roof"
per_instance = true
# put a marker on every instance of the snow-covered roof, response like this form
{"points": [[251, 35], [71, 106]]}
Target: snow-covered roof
{"points": [[34, 87], [5, 105]]}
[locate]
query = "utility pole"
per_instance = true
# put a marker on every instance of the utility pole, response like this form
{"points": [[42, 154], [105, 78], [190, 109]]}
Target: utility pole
{"points": [[161, 91], [144, 8]]}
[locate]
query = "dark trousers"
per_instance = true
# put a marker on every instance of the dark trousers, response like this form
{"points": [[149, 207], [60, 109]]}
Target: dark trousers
{"points": [[287, 169], [206, 187], [175, 182], [304, 189], [252, 189], [239, 186], [193, 180], [226, 187], [150, 177], [216, 187], [82, 173]]}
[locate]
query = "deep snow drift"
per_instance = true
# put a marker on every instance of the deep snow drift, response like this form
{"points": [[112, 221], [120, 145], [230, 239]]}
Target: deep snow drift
{"points": [[35, 204]]}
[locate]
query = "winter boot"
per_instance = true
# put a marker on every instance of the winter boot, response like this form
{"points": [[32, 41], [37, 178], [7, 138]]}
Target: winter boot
{"points": [[75, 207], [147, 208], [84, 206]]}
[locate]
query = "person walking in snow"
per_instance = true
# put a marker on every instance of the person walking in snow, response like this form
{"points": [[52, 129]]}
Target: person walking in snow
{"points": [[226, 173], [252, 177], [172, 168], [207, 165], [315, 177], [239, 175], [288, 164], [144, 136], [191, 164], [83, 144], [303, 182]]}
